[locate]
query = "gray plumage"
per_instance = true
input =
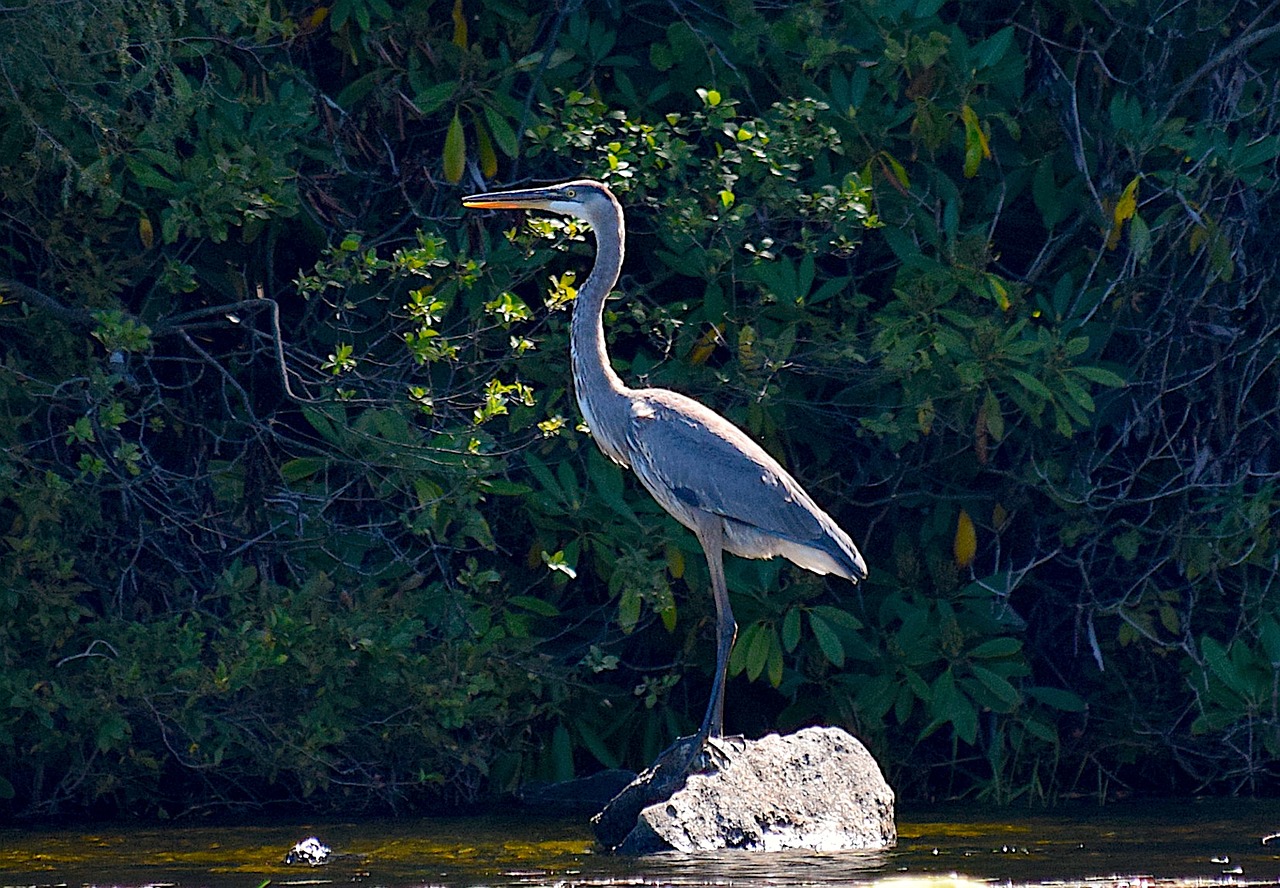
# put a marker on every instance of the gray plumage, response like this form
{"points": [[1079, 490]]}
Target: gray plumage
{"points": [[700, 467]]}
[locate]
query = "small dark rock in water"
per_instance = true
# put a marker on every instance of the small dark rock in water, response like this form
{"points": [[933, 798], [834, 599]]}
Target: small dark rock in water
{"points": [[818, 789], [310, 851]]}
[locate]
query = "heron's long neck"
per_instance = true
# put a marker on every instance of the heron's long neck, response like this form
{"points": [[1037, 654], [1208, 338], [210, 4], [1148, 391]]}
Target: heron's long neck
{"points": [[601, 393]]}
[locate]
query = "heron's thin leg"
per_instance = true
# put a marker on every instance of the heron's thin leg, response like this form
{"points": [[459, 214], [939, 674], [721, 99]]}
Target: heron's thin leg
{"points": [[711, 536]]}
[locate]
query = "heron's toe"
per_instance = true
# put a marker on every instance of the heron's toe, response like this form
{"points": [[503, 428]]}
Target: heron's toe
{"points": [[717, 753]]}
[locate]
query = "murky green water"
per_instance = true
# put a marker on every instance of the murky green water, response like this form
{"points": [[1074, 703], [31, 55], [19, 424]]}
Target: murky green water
{"points": [[1131, 846]]}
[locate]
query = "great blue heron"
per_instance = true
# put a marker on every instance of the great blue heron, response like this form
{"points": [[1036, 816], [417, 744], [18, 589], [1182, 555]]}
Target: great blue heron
{"points": [[700, 467]]}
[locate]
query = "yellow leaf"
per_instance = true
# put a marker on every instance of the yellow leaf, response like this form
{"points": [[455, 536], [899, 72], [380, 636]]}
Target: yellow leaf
{"points": [[976, 146], [899, 171], [966, 542], [1124, 210], [999, 516], [459, 30], [317, 17], [924, 416], [747, 346], [1128, 203], [1199, 235], [675, 562], [484, 148], [455, 151], [999, 290], [146, 233], [706, 345]]}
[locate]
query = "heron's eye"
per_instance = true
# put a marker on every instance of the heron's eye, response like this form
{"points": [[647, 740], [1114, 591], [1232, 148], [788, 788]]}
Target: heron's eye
{"points": [[570, 193]]}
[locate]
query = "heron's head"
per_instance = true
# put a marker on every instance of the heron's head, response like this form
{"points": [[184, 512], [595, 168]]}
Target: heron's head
{"points": [[581, 198]]}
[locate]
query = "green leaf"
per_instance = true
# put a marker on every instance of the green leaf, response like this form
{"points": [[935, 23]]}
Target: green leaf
{"points": [[569, 483], [963, 715], [804, 276], [875, 696], [355, 91], [1244, 155], [503, 134], [628, 610], [1031, 384], [992, 50], [534, 605], [994, 418], [502, 487], [1057, 698], [1046, 194], [604, 752], [561, 754], [1004, 646], [393, 428], [828, 641], [327, 421], [905, 702], [1076, 346], [902, 244], [1140, 238], [1100, 376], [455, 151], [827, 290], [1269, 635], [1221, 665], [1041, 731], [1126, 544], [606, 476], [1078, 395], [148, 177], [757, 650], [998, 685], [543, 475], [838, 617], [303, 467], [112, 731], [774, 667], [791, 629]]}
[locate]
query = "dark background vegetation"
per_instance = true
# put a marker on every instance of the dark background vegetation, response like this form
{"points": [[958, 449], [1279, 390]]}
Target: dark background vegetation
{"points": [[295, 505]]}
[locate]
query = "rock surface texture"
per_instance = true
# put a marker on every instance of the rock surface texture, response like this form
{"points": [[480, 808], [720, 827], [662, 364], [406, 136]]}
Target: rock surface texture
{"points": [[818, 789]]}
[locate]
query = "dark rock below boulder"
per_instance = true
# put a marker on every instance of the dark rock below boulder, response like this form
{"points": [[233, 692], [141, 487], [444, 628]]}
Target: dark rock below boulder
{"points": [[818, 789]]}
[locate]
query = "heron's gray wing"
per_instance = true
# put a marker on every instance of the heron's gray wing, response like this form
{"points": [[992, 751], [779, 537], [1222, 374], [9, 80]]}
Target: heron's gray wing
{"points": [[681, 449]]}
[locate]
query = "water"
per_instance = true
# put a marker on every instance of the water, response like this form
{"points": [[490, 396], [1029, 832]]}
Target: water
{"points": [[1130, 846]]}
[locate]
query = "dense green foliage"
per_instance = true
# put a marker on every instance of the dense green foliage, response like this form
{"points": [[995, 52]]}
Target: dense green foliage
{"points": [[296, 506]]}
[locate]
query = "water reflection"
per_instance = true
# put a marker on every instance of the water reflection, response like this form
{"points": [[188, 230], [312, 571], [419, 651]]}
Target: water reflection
{"points": [[1136, 846]]}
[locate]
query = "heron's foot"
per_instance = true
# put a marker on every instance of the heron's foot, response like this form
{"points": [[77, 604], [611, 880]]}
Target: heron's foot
{"points": [[681, 758], [717, 753], [698, 754]]}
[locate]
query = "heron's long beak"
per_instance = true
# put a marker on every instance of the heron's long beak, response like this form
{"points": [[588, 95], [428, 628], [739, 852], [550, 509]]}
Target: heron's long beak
{"points": [[519, 199]]}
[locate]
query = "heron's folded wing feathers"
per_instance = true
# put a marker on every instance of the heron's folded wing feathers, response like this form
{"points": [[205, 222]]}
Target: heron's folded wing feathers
{"points": [[705, 461]]}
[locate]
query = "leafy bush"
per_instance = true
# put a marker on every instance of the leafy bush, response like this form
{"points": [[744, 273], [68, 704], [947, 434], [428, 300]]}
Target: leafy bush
{"points": [[297, 507]]}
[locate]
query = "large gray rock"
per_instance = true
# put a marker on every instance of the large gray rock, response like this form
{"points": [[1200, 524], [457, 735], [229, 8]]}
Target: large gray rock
{"points": [[818, 789]]}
